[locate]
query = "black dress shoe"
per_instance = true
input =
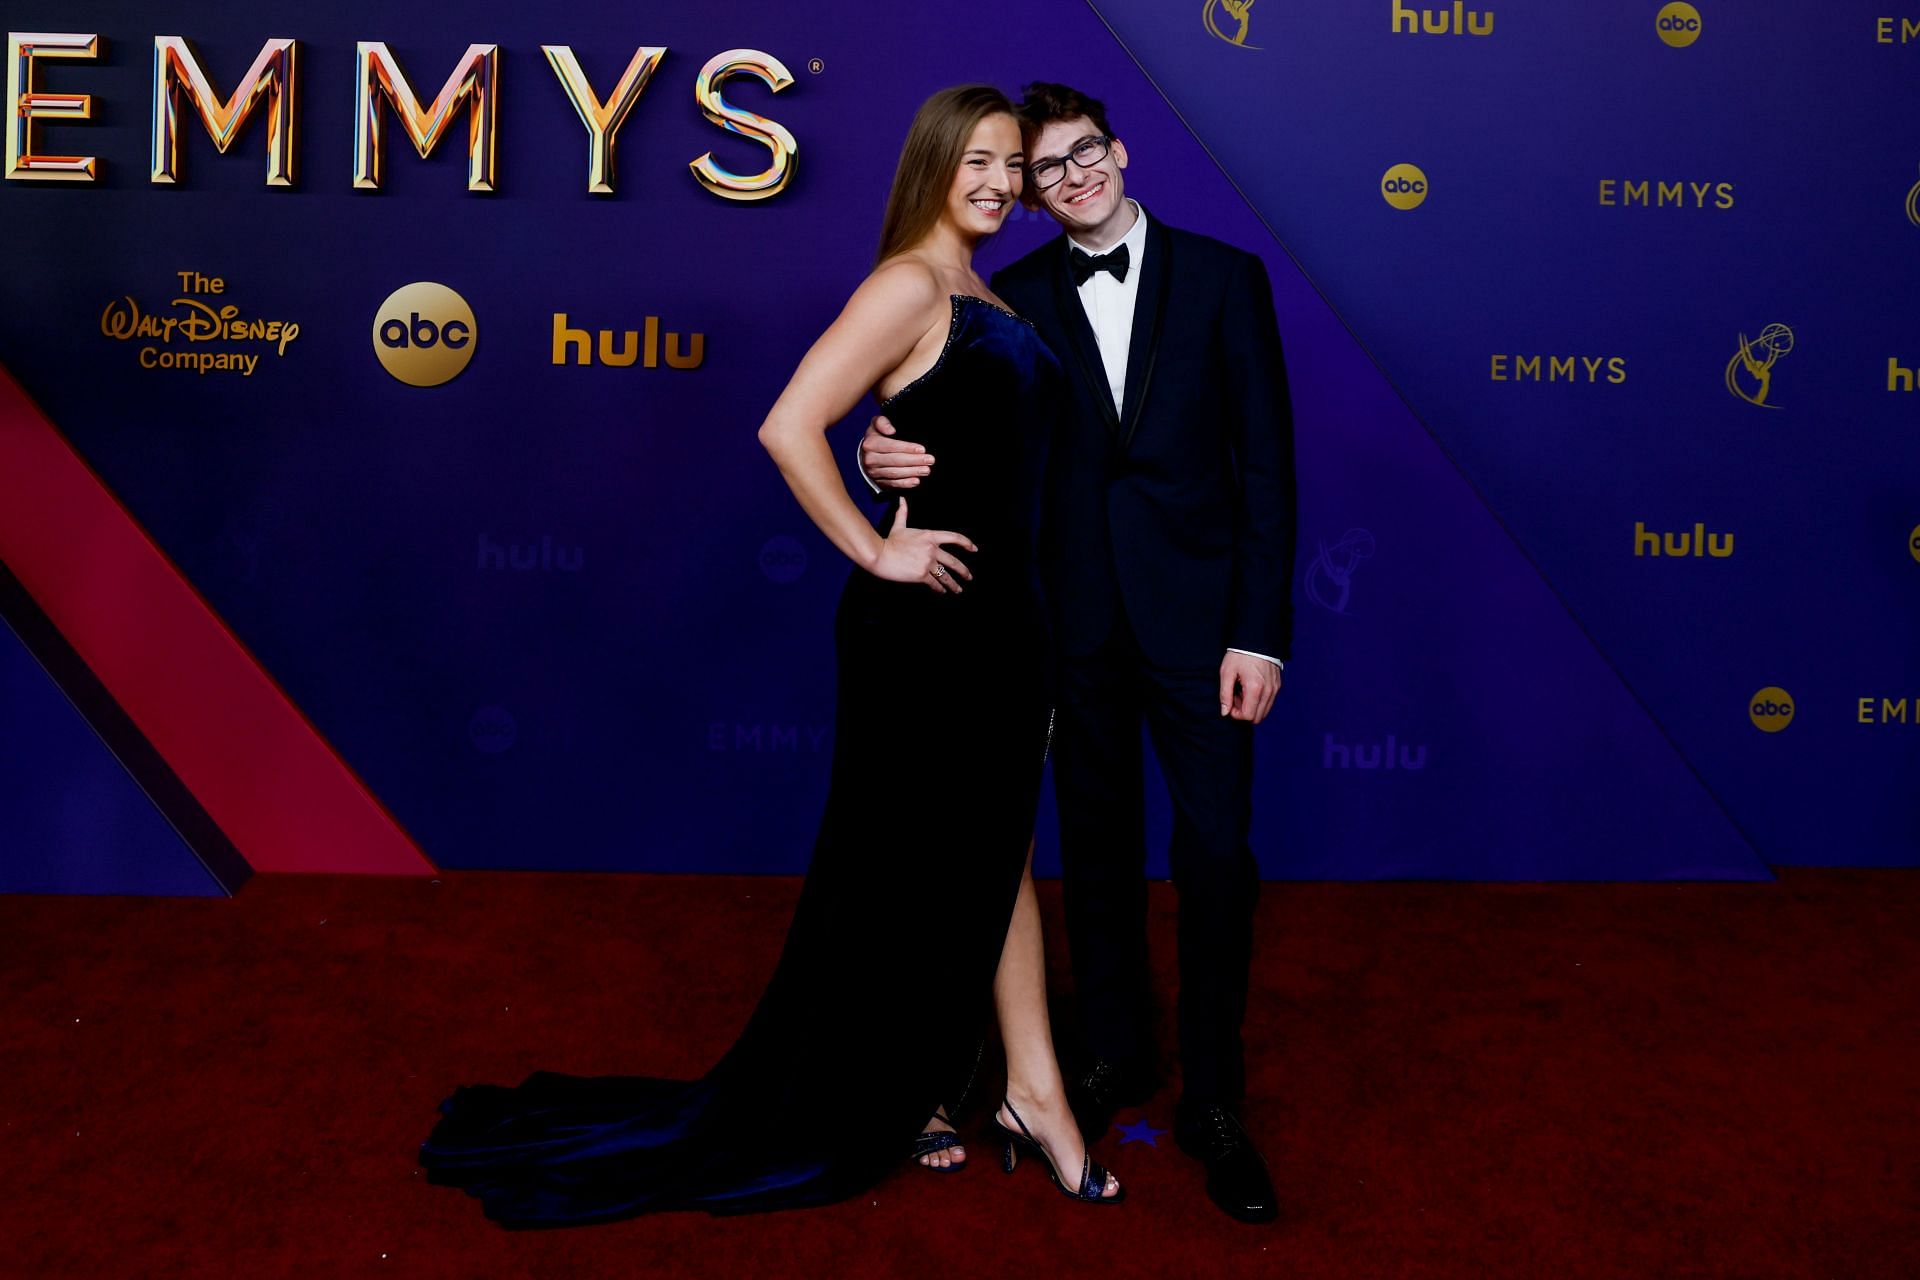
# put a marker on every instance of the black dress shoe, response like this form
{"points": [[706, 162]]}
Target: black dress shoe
{"points": [[1237, 1178], [1102, 1089]]}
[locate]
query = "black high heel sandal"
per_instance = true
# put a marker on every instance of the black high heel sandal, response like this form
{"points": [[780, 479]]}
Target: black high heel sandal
{"points": [[933, 1140], [1093, 1178]]}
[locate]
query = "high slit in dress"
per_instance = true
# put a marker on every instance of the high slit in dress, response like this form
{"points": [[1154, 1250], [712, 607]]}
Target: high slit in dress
{"points": [[883, 991]]}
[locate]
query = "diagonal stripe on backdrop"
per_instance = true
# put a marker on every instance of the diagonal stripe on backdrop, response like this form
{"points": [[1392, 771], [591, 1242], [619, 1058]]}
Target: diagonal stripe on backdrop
{"points": [[262, 772]]}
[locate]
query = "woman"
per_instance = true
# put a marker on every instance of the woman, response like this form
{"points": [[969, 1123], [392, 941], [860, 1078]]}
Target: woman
{"points": [[919, 900]]}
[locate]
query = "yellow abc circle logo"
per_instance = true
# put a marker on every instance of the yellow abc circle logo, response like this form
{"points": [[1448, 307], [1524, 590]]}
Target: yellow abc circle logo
{"points": [[424, 334], [1404, 186], [1913, 542], [1771, 709], [1678, 25]]}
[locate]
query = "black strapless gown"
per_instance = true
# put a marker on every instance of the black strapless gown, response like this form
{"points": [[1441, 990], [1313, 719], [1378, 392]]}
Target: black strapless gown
{"points": [[928, 818]]}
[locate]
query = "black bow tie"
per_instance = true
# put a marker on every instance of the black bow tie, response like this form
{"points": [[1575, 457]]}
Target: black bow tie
{"points": [[1084, 264]]}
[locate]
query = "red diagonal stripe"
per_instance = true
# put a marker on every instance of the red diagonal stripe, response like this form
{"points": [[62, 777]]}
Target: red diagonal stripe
{"points": [[263, 773]]}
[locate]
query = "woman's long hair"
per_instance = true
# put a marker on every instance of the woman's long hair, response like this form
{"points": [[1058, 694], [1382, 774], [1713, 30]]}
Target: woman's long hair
{"points": [[929, 159]]}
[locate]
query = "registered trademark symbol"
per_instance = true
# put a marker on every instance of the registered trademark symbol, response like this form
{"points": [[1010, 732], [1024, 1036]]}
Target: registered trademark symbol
{"points": [[816, 66]]}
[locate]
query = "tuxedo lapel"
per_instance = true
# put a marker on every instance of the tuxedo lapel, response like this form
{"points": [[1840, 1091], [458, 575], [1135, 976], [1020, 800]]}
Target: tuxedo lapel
{"points": [[1085, 348], [1149, 307]]}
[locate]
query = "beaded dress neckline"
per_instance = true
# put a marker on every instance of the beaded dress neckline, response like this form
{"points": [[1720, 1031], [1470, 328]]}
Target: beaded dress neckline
{"points": [[953, 331]]}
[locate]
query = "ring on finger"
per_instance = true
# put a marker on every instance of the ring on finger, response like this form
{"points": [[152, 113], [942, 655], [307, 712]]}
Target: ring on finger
{"points": [[939, 571]]}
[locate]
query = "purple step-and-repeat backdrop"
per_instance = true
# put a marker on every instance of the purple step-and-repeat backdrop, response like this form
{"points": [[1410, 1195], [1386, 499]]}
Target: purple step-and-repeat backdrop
{"points": [[1607, 430]]}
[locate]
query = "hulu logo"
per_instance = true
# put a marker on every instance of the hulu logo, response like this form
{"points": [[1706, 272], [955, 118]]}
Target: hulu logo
{"points": [[1458, 21], [1697, 542]]}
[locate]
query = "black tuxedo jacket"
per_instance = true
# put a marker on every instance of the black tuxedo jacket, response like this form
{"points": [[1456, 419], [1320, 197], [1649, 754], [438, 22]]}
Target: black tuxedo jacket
{"points": [[1177, 505]]}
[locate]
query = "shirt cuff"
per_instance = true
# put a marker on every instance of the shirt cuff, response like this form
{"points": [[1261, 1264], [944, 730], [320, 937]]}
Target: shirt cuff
{"points": [[1251, 654], [861, 468]]}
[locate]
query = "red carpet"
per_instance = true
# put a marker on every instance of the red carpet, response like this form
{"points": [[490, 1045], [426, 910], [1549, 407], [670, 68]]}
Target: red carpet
{"points": [[1450, 1080]]}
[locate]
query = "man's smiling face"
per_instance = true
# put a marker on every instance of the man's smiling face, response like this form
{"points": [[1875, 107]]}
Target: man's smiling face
{"points": [[1084, 200]]}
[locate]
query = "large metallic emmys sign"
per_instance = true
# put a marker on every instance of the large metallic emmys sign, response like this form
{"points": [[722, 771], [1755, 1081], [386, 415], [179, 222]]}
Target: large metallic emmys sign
{"points": [[271, 86]]}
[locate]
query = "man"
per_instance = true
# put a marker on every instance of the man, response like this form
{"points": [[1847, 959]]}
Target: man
{"points": [[1167, 554]]}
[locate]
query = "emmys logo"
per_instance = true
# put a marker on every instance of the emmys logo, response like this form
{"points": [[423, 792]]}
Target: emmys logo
{"points": [[1507, 368], [1329, 581], [492, 730], [1392, 754], [183, 93], [1237, 18], [1889, 711], [767, 738], [632, 348], [1884, 29], [1696, 543], [424, 334], [195, 321], [1750, 372], [1678, 25], [1627, 193], [1459, 21], [1771, 709], [1913, 204], [1404, 186], [783, 559]]}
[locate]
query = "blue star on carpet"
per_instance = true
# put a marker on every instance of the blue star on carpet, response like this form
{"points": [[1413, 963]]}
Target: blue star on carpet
{"points": [[1139, 1131]]}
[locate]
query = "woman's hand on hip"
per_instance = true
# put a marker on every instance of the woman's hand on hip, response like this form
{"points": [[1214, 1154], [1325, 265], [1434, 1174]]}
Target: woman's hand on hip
{"points": [[921, 555]]}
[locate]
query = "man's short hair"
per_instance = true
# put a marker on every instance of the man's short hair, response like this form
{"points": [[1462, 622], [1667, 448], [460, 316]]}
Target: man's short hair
{"points": [[1043, 102]]}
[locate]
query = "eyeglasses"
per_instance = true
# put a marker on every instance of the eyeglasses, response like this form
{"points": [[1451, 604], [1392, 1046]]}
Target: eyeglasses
{"points": [[1086, 153]]}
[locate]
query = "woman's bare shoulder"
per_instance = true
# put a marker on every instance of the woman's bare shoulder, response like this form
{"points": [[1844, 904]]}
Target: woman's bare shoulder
{"points": [[897, 291]]}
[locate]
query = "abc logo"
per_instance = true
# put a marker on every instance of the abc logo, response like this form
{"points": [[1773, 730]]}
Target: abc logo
{"points": [[1678, 25], [424, 334], [1404, 186], [782, 559], [1913, 542], [1771, 709], [492, 730]]}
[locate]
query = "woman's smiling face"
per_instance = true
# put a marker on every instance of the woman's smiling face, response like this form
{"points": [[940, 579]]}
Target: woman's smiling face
{"points": [[989, 178]]}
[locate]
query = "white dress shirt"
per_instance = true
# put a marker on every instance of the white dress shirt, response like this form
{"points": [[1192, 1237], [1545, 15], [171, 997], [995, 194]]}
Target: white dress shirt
{"points": [[1109, 306], [1109, 303]]}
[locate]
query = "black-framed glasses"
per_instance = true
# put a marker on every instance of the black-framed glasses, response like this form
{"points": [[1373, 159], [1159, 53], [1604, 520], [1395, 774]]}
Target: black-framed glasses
{"points": [[1086, 153]]}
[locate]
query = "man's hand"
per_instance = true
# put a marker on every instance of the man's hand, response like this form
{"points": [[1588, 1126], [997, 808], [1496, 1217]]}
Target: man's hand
{"points": [[891, 463], [1247, 686]]}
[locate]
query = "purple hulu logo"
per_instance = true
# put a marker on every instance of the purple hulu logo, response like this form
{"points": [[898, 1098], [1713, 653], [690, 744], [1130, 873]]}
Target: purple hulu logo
{"points": [[1391, 754], [544, 556]]}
